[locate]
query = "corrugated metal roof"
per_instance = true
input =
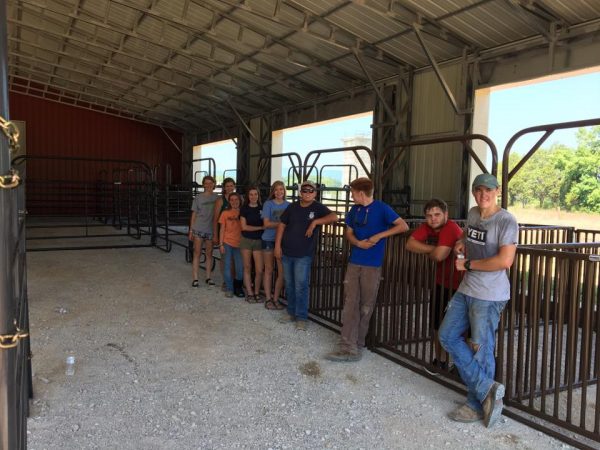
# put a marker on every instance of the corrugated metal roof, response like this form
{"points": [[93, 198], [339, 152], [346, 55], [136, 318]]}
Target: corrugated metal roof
{"points": [[179, 62]]}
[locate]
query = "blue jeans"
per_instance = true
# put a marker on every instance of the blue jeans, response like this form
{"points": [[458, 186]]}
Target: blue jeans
{"points": [[297, 279], [476, 368], [232, 254]]}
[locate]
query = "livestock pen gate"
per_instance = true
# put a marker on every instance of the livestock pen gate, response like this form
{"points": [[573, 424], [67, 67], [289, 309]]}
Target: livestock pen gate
{"points": [[103, 86]]}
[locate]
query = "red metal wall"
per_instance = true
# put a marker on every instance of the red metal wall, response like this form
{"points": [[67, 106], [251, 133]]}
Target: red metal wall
{"points": [[55, 129]]}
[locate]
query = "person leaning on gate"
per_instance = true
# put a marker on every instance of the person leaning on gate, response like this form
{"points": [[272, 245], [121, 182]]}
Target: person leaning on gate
{"points": [[295, 243], [436, 239], [489, 246], [368, 223]]}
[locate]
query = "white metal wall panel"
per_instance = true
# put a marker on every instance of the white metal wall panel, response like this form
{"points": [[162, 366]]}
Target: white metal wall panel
{"points": [[432, 111], [435, 170]]}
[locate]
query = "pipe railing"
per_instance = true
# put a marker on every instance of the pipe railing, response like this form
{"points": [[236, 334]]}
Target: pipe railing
{"points": [[548, 129]]}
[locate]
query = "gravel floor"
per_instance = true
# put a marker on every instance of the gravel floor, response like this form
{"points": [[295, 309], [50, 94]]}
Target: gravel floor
{"points": [[161, 365]]}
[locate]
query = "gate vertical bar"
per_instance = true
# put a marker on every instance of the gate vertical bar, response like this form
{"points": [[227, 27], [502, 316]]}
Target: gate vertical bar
{"points": [[8, 390]]}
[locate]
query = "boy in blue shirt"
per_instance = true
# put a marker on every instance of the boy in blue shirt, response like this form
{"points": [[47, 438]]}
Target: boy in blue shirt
{"points": [[368, 223]]}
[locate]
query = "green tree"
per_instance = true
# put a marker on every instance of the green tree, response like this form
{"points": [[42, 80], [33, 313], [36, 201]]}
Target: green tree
{"points": [[519, 189], [589, 138], [582, 186]]}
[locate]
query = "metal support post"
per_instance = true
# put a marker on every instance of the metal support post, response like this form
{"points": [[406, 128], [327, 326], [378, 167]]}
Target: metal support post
{"points": [[439, 74], [9, 421]]}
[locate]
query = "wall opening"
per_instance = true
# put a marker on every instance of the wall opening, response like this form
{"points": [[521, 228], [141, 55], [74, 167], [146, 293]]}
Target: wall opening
{"points": [[334, 169], [560, 184], [224, 154]]}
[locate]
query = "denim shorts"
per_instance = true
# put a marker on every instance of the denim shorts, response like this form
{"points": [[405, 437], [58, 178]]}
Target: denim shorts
{"points": [[249, 244], [268, 246], [202, 235]]}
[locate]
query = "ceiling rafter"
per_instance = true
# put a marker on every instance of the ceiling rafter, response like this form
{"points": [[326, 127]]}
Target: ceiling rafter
{"points": [[367, 49], [218, 42], [109, 82], [183, 61], [123, 104], [316, 61], [187, 54], [216, 100], [248, 96], [542, 11], [542, 25]]}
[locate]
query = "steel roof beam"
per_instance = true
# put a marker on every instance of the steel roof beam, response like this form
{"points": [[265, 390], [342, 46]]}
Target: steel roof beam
{"points": [[281, 40], [93, 76], [145, 59], [77, 102], [137, 98], [216, 42], [124, 104], [540, 24], [429, 25], [438, 73], [375, 88], [130, 70], [182, 52]]}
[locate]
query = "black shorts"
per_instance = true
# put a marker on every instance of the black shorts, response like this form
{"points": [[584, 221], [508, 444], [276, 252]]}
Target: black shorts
{"points": [[438, 305]]}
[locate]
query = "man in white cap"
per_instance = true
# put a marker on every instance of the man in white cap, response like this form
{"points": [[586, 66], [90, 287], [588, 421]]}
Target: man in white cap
{"points": [[488, 248], [295, 244]]}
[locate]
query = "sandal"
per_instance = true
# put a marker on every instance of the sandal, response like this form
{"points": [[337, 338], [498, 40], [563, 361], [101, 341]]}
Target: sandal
{"points": [[210, 282], [250, 298], [258, 298], [195, 283], [273, 305]]}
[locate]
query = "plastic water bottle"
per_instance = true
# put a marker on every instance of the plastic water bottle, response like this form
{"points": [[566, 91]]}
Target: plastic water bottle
{"points": [[460, 256], [70, 370]]}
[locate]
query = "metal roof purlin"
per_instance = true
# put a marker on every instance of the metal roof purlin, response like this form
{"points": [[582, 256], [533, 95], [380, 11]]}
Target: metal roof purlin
{"points": [[205, 35], [439, 74], [182, 52]]}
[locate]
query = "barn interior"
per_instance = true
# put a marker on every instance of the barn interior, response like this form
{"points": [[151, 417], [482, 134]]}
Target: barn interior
{"points": [[102, 103]]}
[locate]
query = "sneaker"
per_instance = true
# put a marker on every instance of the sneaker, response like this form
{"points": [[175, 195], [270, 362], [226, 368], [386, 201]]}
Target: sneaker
{"points": [[343, 356], [210, 282], [301, 325], [465, 414], [286, 318], [229, 294], [492, 404]]}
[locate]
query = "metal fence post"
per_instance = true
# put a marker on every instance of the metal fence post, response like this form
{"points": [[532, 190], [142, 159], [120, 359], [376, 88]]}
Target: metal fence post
{"points": [[9, 428]]}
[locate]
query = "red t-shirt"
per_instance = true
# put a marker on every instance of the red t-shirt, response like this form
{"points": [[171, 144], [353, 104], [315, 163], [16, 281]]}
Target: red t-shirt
{"points": [[446, 237]]}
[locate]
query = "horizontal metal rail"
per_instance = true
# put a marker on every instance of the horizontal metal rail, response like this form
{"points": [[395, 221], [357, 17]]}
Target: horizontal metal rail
{"points": [[548, 129]]}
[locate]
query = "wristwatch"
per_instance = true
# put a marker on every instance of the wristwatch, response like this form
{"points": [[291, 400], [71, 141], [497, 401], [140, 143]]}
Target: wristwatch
{"points": [[468, 265]]}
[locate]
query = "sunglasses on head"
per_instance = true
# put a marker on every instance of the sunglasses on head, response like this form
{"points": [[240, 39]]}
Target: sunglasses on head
{"points": [[307, 190]]}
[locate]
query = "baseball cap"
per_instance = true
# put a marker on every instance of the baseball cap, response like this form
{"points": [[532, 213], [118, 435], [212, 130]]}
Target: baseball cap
{"points": [[485, 179], [308, 183]]}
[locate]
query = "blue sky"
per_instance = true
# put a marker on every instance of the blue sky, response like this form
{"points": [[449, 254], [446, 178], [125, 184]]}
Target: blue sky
{"points": [[511, 109], [558, 100]]}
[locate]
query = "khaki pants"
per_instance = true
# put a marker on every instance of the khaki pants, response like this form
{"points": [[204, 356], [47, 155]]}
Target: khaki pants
{"points": [[361, 284]]}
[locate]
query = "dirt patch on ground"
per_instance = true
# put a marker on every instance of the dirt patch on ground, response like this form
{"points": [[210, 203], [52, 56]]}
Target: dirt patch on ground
{"points": [[311, 369]]}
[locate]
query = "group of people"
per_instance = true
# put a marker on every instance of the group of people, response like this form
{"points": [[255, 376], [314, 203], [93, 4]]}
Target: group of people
{"points": [[472, 285], [244, 231]]}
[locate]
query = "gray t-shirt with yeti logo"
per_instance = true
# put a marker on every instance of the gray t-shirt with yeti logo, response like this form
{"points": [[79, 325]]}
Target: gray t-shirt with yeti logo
{"points": [[483, 239]]}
